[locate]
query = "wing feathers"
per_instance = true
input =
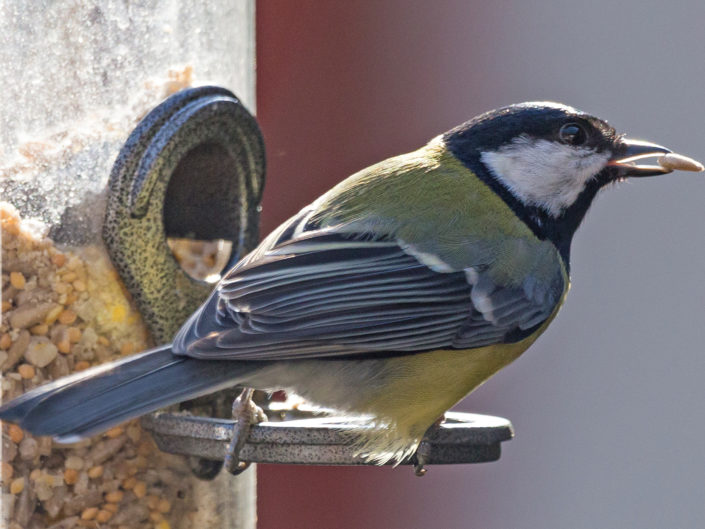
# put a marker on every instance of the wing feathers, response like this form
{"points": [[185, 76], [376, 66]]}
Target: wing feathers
{"points": [[325, 294]]}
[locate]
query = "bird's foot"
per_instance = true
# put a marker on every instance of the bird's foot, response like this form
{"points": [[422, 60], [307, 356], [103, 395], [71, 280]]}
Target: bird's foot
{"points": [[420, 459], [247, 413], [419, 469], [421, 455]]}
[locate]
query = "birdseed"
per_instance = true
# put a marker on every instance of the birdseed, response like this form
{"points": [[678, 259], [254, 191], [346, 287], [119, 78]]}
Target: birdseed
{"points": [[67, 305], [678, 162]]}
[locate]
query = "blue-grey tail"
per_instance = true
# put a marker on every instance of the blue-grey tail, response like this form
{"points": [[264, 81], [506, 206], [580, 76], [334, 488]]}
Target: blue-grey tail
{"points": [[99, 398]]}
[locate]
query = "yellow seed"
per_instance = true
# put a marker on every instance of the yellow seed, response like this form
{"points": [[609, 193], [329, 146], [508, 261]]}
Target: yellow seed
{"points": [[53, 314], [74, 334], [89, 513], [80, 366], [47, 479], [69, 277], [60, 288], [152, 502], [64, 347], [75, 462], [79, 285], [156, 516], [127, 348], [95, 472], [102, 340], [129, 483], [140, 489], [164, 506], [71, 298], [74, 263], [103, 516], [112, 507], [114, 497], [58, 259], [5, 341], [40, 329], [17, 280], [7, 471], [67, 317], [118, 313], [15, 432], [17, 486], [114, 432], [35, 474], [144, 448], [70, 476], [134, 432], [26, 371], [6, 305], [8, 213], [162, 525]]}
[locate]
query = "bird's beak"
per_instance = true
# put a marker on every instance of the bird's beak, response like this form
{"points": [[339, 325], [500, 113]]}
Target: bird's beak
{"points": [[628, 152]]}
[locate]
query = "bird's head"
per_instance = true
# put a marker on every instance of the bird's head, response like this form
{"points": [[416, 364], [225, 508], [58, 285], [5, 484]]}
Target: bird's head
{"points": [[548, 161]]}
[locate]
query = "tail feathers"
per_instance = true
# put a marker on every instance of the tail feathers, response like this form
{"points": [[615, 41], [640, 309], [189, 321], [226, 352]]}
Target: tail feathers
{"points": [[94, 400]]}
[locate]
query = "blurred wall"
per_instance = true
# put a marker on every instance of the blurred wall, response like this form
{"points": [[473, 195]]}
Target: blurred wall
{"points": [[607, 405]]}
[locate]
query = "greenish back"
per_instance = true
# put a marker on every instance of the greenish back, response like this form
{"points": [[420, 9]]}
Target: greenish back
{"points": [[429, 200]]}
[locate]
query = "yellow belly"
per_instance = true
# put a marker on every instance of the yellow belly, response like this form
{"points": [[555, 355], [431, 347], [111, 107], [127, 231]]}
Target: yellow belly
{"points": [[419, 388]]}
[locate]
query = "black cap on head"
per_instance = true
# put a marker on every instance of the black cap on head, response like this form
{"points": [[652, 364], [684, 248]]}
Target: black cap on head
{"points": [[491, 130]]}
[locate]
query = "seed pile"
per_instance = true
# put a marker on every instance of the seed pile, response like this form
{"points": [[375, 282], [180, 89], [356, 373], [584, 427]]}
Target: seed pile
{"points": [[64, 311], [203, 260]]}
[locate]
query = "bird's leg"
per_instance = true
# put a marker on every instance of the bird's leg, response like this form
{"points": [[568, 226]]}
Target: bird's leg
{"points": [[247, 413], [421, 455], [420, 459]]}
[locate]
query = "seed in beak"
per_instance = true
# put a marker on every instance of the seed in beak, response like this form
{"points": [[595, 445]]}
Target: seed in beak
{"points": [[678, 162]]}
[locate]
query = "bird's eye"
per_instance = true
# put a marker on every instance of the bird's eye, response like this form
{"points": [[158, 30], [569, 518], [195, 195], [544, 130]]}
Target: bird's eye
{"points": [[573, 134]]}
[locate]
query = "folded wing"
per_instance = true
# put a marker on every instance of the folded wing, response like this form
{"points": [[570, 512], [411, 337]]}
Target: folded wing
{"points": [[327, 294]]}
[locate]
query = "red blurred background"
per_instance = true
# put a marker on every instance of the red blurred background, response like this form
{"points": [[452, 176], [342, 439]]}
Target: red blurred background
{"points": [[598, 403], [341, 85]]}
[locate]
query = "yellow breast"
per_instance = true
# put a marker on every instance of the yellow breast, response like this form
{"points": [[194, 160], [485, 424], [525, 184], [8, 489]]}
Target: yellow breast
{"points": [[420, 388]]}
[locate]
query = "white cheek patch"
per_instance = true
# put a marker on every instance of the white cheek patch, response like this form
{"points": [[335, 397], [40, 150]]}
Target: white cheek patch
{"points": [[544, 173]]}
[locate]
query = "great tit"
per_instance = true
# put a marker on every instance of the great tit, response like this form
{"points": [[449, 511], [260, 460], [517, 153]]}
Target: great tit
{"points": [[390, 297]]}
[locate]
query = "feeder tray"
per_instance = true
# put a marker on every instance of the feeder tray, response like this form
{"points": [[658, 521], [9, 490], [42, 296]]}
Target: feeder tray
{"points": [[461, 438]]}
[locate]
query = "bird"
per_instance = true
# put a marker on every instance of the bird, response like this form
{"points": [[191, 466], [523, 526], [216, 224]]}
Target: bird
{"points": [[393, 295]]}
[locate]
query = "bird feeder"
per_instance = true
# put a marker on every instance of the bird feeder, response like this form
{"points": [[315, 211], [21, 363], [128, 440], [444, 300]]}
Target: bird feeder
{"points": [[78, 79]]}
